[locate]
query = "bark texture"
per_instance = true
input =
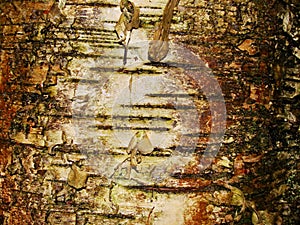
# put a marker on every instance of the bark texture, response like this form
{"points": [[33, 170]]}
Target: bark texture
{"points": [[68, 110]]}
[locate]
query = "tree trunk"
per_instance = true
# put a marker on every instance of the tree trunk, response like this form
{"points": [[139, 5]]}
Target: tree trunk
{"points": [[69, 111]]}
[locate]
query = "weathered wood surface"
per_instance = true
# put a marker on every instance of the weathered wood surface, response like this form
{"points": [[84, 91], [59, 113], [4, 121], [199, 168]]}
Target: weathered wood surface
{"points": [[69, 110]]}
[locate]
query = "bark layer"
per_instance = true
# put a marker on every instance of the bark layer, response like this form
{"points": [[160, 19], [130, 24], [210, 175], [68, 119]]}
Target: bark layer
{"points": [[60, 140]]}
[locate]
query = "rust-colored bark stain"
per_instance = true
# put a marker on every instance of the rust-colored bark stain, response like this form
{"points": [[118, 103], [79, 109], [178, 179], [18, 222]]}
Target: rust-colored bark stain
{"points": [[6, 156], [197, 214], [20, 216], [8, 105]]}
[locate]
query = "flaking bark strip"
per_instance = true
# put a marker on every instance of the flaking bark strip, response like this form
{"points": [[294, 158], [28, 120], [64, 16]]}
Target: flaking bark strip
{"points": [[159, 47], [77, 178], [64, 148]]}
